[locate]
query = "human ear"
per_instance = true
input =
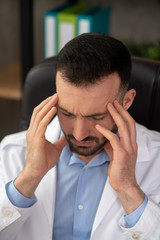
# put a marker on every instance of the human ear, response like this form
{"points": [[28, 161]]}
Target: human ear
{"points": [[128, 98]]}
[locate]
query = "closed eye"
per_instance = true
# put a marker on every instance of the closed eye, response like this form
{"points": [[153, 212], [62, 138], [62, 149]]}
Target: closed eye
{"points": [[67, 114], [98, 118], [64, 112]]}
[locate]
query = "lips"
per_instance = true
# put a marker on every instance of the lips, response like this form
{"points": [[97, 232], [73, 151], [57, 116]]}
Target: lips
{"points": [[82, 143]]}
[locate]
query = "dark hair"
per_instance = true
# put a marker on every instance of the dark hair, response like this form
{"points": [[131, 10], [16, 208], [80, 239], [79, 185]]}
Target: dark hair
{"points": [[87, 58]]}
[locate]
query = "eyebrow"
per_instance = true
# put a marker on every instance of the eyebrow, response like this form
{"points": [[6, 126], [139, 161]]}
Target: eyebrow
{"points": [[87, 116]]}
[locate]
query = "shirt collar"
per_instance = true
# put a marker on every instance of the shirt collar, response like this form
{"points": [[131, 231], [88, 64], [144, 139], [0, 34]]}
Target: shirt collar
{"points": [[71, 158]]}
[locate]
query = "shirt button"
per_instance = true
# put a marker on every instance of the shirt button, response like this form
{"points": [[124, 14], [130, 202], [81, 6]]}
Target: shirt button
{"points": [[80, 207], [50, 235], [8, 213], [136, 236]]}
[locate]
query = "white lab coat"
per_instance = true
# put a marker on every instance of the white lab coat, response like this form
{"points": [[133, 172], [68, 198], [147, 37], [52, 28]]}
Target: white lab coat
{"points": [[36, 222]]}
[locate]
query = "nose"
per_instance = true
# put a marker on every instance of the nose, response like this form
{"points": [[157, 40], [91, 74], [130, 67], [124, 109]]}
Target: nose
{"points": [[80, 129]]}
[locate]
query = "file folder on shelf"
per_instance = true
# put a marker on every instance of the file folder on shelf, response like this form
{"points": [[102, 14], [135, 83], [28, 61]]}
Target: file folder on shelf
{"points": [[69, 20], [67, 24], [50, 30], [94, 20]]}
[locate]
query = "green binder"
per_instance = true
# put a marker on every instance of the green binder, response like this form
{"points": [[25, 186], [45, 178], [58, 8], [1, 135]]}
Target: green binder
{"points": [[67, 23]]}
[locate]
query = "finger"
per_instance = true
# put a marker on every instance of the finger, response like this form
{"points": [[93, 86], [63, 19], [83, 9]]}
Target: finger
{"points": [[128, 119], [118, 152], [61, 143], [123, 128], [42, 126], [51, 100], [111, 137], [41, 111], [129, 122], [108, 148]]}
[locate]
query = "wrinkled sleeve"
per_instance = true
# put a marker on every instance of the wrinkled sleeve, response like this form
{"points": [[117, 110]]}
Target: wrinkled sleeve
{"points": [[16, 198], [133, 218]]}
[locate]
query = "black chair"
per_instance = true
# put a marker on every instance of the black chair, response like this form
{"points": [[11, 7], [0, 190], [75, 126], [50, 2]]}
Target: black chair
{"points": [[145, 79]]}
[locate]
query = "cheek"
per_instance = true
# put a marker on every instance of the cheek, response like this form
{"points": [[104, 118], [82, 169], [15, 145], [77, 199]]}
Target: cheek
{"points": [[107, 123], [65, 124]]}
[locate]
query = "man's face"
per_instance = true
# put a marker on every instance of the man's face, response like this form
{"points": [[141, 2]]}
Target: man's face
{"points": [[80, 108]]}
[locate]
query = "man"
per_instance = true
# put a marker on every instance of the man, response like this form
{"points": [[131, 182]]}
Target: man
{"points": [[92, 173]]}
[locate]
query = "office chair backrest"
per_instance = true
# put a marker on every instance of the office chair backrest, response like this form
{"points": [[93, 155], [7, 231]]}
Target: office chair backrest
{"points": [[145, 79]]}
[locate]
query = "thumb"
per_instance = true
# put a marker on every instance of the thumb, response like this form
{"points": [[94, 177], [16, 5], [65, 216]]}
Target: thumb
{"points": [[109, 150], [61, 143]]}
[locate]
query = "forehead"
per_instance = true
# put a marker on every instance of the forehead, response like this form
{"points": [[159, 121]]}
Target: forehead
{"points": [[87, 99]]}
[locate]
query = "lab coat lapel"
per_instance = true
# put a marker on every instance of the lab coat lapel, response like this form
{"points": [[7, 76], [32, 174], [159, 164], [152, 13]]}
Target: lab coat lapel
{"points": [[46, 193], [47, 187], [107, 200]]}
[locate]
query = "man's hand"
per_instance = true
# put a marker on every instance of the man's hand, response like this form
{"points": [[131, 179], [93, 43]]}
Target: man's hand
{"points": [[122, 152], [41, 154]]}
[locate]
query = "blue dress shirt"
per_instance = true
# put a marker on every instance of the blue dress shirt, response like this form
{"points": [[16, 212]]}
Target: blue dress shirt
{"points": [[78, 194]]}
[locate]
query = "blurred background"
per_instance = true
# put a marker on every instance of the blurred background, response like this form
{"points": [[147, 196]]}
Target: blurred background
{"points": [[135, 22]]}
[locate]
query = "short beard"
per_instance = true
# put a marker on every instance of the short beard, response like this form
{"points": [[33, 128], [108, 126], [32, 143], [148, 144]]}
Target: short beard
{"points": [[85, 150]]}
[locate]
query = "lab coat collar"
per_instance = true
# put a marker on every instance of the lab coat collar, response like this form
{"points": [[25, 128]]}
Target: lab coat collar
{"points": [[146, 140], [46, 192]]}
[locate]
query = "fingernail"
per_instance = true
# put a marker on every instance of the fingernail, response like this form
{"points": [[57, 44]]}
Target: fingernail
{"points": [[54, 97], [110, 105], [98, 126], [116, 102]]}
